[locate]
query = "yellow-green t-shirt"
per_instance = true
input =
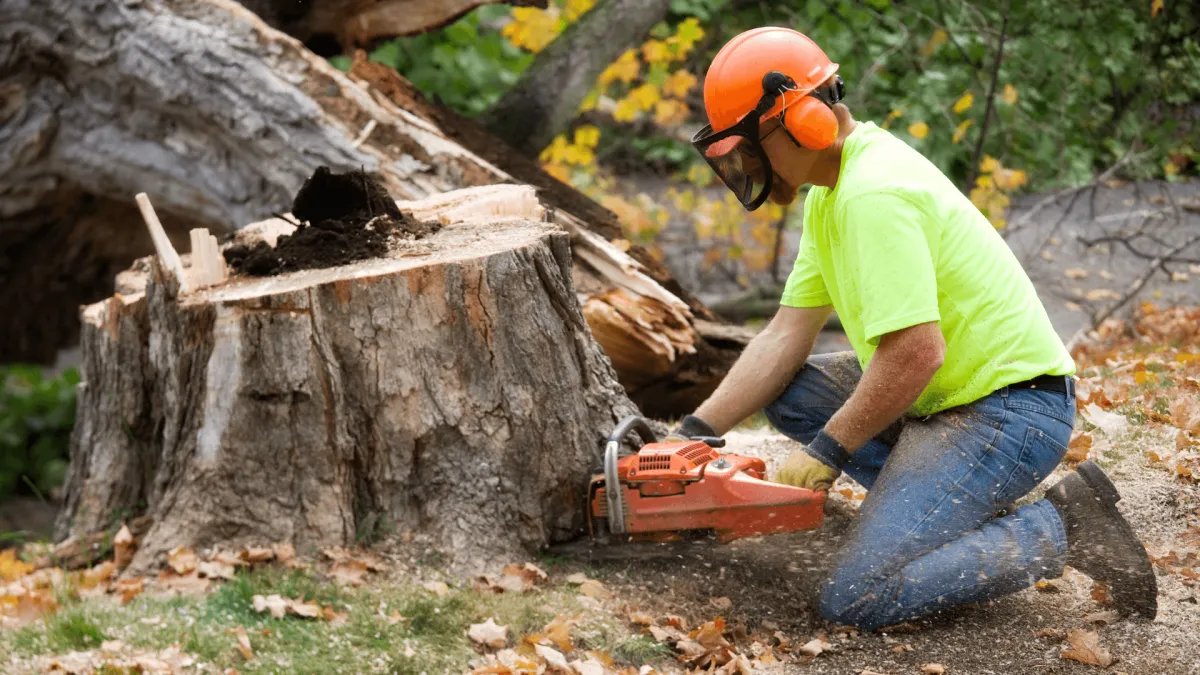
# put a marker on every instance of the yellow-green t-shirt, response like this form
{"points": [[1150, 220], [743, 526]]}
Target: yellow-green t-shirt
{"points": [[895, 244]]}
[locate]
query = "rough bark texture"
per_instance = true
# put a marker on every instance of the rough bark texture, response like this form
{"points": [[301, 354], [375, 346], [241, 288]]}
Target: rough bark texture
{"points": [[545, 99], [453, 390], [361, 22]]}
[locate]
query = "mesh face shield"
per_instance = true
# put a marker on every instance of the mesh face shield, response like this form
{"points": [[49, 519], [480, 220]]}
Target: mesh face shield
{"points": [[737, 157]]}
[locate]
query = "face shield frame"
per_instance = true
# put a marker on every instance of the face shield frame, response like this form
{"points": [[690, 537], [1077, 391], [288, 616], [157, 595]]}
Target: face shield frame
{"points": [[730, 150]]}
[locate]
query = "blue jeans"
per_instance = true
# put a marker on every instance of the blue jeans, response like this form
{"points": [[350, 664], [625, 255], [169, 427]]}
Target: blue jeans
{"points": [[928, 537]]}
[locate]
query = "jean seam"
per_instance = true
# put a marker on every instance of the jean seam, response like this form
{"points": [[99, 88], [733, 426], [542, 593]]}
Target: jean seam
{"points": [[1022, 456]]}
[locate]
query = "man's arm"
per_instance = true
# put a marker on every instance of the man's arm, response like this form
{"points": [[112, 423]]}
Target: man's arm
{"points": [[765, 367], [902, 366]]}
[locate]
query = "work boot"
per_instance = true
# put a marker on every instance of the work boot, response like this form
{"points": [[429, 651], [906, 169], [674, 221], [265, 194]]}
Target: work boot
{"points": [[1100, 542]]}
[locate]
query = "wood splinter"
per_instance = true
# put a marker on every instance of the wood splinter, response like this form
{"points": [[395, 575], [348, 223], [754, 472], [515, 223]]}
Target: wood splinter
{"points": [[162, 245]]}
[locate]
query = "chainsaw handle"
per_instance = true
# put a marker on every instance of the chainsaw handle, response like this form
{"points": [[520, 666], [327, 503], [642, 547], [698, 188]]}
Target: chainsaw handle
{"points": [[633, 423]]}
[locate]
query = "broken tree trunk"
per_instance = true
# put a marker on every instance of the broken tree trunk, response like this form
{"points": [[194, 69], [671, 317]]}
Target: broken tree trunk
{"points": [[451, 388], [220, 118]]}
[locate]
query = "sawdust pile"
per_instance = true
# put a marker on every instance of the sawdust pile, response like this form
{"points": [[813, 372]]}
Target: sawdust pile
{"points": [[343, 218]]}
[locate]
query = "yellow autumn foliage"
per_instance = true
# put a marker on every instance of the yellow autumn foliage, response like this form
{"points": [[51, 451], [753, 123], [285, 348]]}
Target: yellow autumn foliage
{"points": [[679, 83], [961, 130], [964, 103], [918, 130], [625, 69], [532, 28]]}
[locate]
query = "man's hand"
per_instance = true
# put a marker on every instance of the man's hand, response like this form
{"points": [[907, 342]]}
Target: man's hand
{"points": [[802, 470]]}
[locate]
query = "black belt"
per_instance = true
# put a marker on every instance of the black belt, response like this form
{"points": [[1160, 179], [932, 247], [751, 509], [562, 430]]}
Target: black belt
{"points": [[1059, 383]]}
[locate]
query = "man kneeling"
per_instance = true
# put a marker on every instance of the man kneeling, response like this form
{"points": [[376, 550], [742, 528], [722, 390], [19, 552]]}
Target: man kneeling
{"points": [[958, 397]]}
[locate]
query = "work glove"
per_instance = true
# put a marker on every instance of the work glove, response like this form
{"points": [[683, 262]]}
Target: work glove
{"points": [[693, 428], [814, 467]]}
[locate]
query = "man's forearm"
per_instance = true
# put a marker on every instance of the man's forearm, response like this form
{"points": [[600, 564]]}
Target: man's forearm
{"points": [[763, 370], [899, 371]]}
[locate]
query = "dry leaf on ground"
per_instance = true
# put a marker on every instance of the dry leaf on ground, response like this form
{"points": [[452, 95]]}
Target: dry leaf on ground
{"points": [[129, 589], [1109, 422], [594, 589], [740, 665], [349, 572], [814, 647], [124, 546], [1100, 594], [488, 634], [558, 631], [11, 567], [1085, 648], [1054, 633], [553, 658], [184, 584], [589, 667], [641, 618], [1075, 273], [215, 569], [577, 578], [182, 559], [276, 604], [528, 571], [243, 643], [722, 604], [933, 669], [257, 554], [1078, 447], [284, 552]]}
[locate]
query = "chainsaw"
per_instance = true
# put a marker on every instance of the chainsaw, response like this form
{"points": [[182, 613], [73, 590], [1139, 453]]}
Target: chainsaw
{"points": [[667, 491]]}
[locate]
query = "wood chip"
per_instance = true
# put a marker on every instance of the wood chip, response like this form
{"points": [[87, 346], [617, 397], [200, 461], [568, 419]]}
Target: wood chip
{"points": [[814, 647], [933, 669]]}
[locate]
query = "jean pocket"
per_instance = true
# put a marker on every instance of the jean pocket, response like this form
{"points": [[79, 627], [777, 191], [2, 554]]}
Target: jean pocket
{"points": [[1048, 403], [1040, 453]]}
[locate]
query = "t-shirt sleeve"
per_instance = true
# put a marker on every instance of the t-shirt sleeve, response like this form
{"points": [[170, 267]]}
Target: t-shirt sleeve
{"points": [[889, 258], [805, 287]]}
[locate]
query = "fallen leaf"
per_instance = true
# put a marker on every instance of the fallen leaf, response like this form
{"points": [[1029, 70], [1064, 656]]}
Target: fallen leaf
{"points": [[589, 667], [438, 588], [284, 552], [129, 589], [739, 665], [215, 569], [1098, 294], [1108, 422], [512, 583], [1075, 273], [100, 574], [307, 610], [1073, 306], [815, 646], [1100, 594], [553, 658], [338, 618], [1078, 447], [243, 643], [488, 634], [257, 554], [641, 618], [1085, 648], [124, 546], [933, 669], [1185, 413], [722, 603], [112, 646], [768, 624], [349, 572], [182, 560], [530, 572], [869, 672], [577, 578], [273, 603], [1106, 617], [558, 631], [594, 589], [1055, 633], [1048, 585], [184, 584], [900, 649]]}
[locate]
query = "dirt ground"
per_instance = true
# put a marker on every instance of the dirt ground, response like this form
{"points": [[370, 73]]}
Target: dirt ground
{"points": [[775, 580]]}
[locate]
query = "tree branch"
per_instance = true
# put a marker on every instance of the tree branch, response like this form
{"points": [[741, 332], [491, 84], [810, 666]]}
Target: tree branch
{"points": [[973, 171]]}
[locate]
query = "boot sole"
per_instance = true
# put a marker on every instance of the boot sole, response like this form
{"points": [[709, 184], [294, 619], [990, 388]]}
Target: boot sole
{"points": [[1103, 487]]}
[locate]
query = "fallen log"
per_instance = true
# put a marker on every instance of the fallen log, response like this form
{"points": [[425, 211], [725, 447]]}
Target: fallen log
{"points": [[450, 387]]}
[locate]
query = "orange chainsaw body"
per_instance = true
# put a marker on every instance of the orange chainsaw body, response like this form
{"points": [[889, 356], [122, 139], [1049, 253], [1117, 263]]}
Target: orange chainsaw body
{"points": [[673, 487]]}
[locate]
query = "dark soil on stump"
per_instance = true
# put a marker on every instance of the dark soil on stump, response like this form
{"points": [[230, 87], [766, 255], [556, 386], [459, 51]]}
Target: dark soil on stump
{"points": [[343, 218]]}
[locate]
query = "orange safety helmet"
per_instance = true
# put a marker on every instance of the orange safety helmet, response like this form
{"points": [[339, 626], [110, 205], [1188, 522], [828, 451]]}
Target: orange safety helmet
{"points": [[754, 73]]}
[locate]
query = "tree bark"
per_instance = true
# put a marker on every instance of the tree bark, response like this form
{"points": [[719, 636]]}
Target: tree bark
{"points": [[544, 101], [220, 118], [451, 389]]}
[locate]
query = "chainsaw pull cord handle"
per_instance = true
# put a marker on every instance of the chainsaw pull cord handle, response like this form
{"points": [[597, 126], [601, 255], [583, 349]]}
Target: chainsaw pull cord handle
{"points": [[612, 483]]}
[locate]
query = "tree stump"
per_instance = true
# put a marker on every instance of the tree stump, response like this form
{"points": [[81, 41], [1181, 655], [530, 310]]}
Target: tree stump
{"points": [[450, 390]]}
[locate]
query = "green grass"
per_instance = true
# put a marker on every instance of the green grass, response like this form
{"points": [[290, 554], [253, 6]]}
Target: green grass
{"points": [[640, 649], [433, 632]]}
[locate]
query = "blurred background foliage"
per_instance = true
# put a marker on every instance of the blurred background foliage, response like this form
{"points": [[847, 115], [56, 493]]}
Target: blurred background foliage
{"points": [[37, 413], [1004, 96]]}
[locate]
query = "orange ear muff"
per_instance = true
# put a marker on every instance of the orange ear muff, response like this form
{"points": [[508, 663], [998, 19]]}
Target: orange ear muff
{"points": [[811, 122]]}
